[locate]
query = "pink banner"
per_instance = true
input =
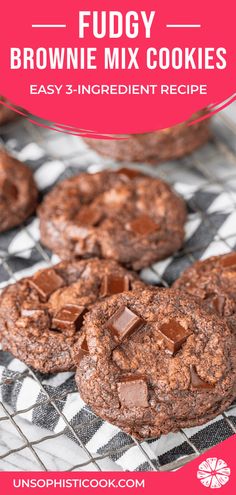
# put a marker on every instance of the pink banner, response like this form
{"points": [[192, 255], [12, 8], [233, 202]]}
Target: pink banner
{"points": [[215, 469], [130, 67]]}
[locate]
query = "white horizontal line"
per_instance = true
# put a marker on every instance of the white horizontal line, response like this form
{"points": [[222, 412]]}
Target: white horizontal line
{"points": [[48, 25], [183, 25]]}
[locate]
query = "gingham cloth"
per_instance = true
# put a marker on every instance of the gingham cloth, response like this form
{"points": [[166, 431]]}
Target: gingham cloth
{"points": [[208, 183]]}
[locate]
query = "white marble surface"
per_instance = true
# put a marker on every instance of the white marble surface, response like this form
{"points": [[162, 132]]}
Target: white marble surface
{"points": [[57, 454]]}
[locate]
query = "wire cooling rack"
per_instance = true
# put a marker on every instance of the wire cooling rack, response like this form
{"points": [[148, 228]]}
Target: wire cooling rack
{"points": [[207, 180]]}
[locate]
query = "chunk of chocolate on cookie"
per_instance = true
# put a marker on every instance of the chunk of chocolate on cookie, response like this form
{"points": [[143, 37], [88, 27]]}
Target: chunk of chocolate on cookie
{"points": [[124, 322], [228, 261], [112, 284], [143, 225], [83, 351], [89, 217], [129, 172], [133, 391], [218, 304], [174, 335], [196, 382], [69, 318], [46, 282]]}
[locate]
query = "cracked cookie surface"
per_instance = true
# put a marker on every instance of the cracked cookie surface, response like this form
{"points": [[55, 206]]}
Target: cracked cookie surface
{"points": [[41, 316], [154, 361], [18, 192], [122, 215], [213, 281]]}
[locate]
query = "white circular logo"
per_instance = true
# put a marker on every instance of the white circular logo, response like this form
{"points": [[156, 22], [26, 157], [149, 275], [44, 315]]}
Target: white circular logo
{"points": [[213, 473]]}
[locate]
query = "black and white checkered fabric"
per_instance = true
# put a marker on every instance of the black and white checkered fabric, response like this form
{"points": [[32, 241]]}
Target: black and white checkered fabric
{"points": [[207, 180]]}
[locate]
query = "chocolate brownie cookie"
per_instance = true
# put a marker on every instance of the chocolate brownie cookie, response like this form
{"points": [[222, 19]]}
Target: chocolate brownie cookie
{"points": [[214, 282], [41, 316], [154, 361], [122, 215], [6, 114], [158, 146], [18, 192]]}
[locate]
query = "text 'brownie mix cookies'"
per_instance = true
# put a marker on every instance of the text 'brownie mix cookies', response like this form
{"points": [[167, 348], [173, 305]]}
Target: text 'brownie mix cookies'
{"points": [[41, 317], [18, 192], [122, 215], [154, 361], [214, 282], [158, 146]]}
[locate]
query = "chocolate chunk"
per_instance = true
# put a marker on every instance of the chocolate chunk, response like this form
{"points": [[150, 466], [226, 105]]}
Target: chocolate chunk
{"points": [[69, 318], [114, 285], [143, 225], [124, 322], [196, 382], [83, 351], [133, 392], [228, 261], [89, 217], [7, 189], [46, 282], [174, 335], [218, 304], [128, 172]]}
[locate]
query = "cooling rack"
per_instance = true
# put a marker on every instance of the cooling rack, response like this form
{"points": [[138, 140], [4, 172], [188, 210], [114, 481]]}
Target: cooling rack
{"points": [[207, 180]]}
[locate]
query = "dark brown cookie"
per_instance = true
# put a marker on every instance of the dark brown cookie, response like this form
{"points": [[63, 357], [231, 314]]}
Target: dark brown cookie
{"points": [[214, 282], [123, 215], [18, 192], [6, 114], [156, 146], [41, 316], [154, 361]]}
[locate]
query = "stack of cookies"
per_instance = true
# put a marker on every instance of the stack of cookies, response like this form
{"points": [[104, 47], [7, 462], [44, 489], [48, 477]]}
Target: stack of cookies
{"points": [[148, 359]]}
